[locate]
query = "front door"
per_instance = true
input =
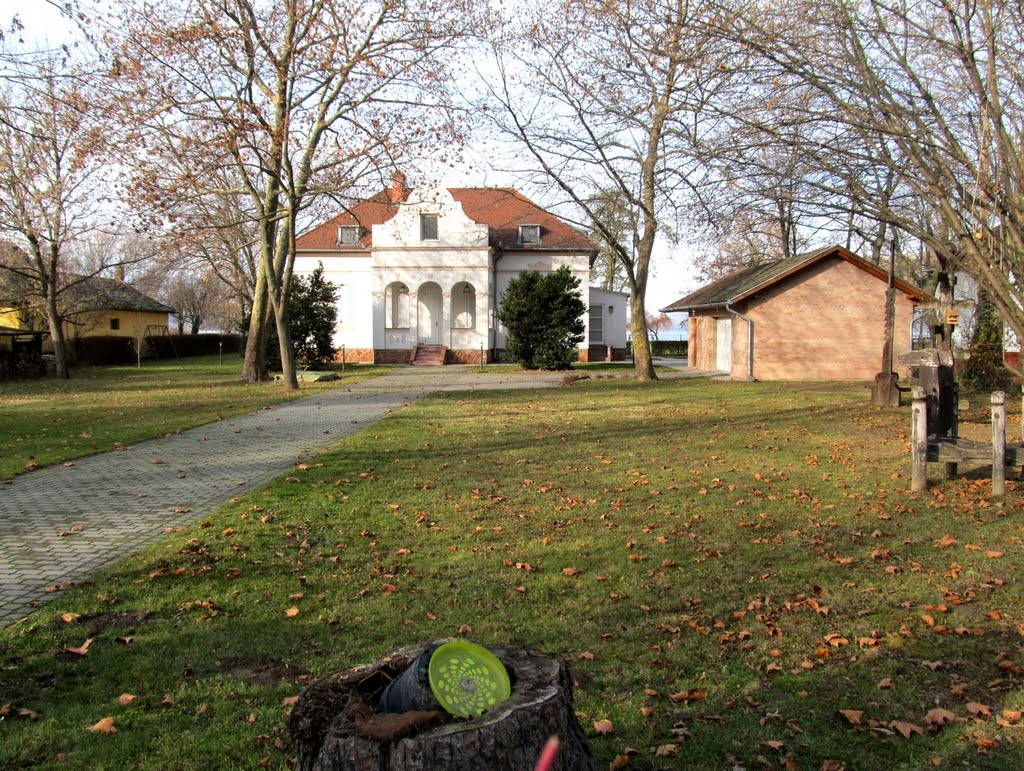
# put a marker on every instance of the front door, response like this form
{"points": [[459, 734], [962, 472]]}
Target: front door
{"points": [[428, 315], [723, 345]]}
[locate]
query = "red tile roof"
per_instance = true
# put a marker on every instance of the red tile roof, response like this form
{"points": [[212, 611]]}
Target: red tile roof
{"points": [[502, 209], [365, 214]]}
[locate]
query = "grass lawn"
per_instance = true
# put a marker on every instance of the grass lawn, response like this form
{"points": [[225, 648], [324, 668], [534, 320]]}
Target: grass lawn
{"points": [[735, 572], [43, 422]]}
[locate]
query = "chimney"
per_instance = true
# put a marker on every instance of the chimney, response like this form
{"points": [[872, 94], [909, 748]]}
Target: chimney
{"points": [[399, 192]]}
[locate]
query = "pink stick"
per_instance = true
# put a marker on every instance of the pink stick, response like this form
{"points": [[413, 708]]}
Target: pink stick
{"points": [[547, 755]]}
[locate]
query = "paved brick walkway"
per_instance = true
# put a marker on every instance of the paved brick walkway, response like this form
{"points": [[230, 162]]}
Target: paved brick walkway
{"points": [[119, 501], [113, 504]]}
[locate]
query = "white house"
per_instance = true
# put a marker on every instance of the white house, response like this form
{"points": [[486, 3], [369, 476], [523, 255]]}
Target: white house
{"points": [[421, 273]]}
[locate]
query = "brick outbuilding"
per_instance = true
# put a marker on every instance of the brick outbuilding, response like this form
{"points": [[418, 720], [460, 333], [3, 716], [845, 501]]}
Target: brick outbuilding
{"points": [[814, 316]]}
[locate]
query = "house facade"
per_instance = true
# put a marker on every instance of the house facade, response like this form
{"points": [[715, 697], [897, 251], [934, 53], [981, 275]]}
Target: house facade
{"points": [[814, 316], [92, 306], [425, 269]]}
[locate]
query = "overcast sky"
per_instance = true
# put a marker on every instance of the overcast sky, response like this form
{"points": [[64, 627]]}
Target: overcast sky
{"points": [[672, 276]]}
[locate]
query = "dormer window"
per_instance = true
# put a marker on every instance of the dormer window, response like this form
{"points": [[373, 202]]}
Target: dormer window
{"points": [[529, 234], [428, 227], [348, 235]]}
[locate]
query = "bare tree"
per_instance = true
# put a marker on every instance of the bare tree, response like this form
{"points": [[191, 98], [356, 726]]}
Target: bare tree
{"points": [[52, 154], [608, 270], [934, 90], [293, 97], [656, 324], [609, 98], [195, 297]]}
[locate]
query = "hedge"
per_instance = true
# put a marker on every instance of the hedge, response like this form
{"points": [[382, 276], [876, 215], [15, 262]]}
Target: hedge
{"points": [[121, 350], [664, 348]]}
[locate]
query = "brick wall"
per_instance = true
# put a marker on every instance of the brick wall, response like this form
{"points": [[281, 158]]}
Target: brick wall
{"points": [[824, 323], [391, 356], [466, 356], [356, 355]]}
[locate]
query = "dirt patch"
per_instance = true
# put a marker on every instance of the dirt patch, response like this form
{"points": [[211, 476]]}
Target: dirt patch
{"points": [[121, 622], [261, 670]]}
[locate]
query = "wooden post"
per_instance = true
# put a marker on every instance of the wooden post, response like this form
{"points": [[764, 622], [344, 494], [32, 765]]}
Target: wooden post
{"points": [[998, 444], [919, 441]]}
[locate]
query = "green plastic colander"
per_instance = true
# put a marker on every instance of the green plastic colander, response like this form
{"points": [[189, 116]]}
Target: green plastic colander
{"points": [[467, 679]]}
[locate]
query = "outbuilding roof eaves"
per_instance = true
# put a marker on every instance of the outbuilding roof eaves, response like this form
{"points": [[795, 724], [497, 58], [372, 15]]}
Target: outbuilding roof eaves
{"points": [[748, 281]]}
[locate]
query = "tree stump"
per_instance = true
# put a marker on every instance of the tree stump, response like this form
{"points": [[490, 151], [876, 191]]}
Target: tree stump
{"points": [[336, 726]]}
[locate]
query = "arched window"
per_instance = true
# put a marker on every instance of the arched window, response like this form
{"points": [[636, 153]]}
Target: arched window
{"points": [[396, 306], [463, 306]]}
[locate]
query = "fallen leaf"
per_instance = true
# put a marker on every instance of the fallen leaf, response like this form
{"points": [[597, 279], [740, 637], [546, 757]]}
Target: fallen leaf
{"points": [[125, 699], [570, 572], [852, 715], [289, 701], [69, 618], [945, 542], [586, 656], [906, 729], [939, 717], [104, 726], [168, 701], [886, 683], [292, 612], [979, 710], [81, 650], [774, 744], [603, 727], [664, 750]]}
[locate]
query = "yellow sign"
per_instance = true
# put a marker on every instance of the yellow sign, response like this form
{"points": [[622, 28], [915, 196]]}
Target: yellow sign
{"points": [[952, 317]]}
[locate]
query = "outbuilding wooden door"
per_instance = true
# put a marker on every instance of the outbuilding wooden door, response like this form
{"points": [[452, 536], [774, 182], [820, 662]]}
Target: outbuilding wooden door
{"points": [[723, 345]]}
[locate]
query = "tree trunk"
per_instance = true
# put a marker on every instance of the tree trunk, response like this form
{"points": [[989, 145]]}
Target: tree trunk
{"points": [[284, 336], [335, 726], [60, 347], [254, 366], [643, 364]]}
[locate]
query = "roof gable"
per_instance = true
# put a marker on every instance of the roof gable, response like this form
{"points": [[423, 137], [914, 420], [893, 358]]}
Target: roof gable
{"points": [[504, 209], [501, 209], [745, 282]]}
